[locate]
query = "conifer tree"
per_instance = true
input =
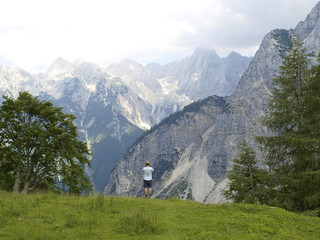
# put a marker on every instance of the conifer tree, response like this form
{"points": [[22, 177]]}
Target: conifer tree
{"points": [[309, 178], [39, 147], [292, 151], [245, 179]]}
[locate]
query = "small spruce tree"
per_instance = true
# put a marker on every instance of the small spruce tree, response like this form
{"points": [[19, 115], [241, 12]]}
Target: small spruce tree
{"points": [[245, 179], [308, 182]]}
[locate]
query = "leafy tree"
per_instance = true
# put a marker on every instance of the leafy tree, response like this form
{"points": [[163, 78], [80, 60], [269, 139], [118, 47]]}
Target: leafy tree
{"points": [[292, 153], [39, 147], [246, 179]]}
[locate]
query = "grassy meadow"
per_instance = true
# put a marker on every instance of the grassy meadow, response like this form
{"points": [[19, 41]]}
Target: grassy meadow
{"points": [[53, 216]]}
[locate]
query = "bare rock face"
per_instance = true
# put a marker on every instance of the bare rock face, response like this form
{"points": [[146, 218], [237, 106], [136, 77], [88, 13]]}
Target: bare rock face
{"points": [[114, 105], [170, 87], [192, 150]]}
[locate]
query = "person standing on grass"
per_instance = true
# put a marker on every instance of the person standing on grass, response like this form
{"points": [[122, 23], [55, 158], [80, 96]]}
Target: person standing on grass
{"points": [[147, 179]]}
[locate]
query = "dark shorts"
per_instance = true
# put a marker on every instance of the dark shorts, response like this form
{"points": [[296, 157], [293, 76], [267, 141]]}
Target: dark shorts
{"points": [[147, 184]]}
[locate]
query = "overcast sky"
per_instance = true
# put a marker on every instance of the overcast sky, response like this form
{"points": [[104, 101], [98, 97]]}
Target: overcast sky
{"points": [[34, 33]]}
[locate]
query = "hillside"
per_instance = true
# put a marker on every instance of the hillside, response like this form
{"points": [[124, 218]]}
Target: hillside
{"points": [[192, 155], [50, 216], [115, 105]]}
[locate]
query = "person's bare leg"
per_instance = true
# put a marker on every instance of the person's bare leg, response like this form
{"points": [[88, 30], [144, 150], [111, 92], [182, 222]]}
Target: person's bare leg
{"points": [[150, 192], [146, 192]]}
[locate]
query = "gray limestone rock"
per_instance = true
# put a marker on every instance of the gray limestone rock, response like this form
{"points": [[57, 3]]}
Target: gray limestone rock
{"points": [[193, 150]]}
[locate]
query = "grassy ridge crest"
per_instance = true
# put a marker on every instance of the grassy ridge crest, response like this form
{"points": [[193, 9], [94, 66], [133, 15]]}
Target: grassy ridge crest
{"points": [[51, 216]]}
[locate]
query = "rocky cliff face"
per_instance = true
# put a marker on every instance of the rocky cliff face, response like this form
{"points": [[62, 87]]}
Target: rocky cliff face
{"points": [[220, 76], [109, 114], [169, 147], [114, 106], [192, 153], [13, 80], [183, 81]]}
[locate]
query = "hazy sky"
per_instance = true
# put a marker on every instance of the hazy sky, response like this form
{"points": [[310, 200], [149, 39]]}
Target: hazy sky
{"points": [[33, 33]]}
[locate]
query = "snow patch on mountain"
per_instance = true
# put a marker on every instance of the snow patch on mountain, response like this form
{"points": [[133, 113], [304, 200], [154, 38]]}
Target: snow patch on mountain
{"points": [[141, 123], [113, 105], [90, 124], [168, 87], [91, 87], [196, 76]]}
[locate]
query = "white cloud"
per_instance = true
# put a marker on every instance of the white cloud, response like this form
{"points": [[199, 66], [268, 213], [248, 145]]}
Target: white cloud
{"points": [[34, 33], [228, 25]]}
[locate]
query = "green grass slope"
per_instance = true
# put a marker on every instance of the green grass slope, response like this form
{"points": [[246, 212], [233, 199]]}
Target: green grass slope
{"points": [[51, 216]]}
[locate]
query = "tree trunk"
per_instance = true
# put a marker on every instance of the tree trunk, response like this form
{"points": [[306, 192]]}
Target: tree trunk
{"points": [[25, 188], [30, 165], [17, 181]]}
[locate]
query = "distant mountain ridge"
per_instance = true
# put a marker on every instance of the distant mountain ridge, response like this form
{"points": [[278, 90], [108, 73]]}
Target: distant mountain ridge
{"points": [[192, 154], [115, 105], [201, 75]]}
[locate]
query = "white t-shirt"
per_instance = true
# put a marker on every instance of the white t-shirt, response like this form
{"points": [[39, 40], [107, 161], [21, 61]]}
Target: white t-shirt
{"points": [[147, 173]]}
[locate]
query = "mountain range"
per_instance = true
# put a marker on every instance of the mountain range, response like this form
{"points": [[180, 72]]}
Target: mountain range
{"points": [[192, 150], [115, 105]]}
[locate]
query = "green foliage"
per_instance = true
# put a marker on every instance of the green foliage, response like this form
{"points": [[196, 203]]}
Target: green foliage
{"points": [[39, 147], [286, 105], [293, 153], [246, 180], [59, 216]]}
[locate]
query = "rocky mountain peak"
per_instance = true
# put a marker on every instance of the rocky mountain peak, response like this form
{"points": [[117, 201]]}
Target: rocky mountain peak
{"points": [[193, 152], [127, 65], [58, 67], [204, 52], [304, 28], [233, 55], [203, 56]]}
